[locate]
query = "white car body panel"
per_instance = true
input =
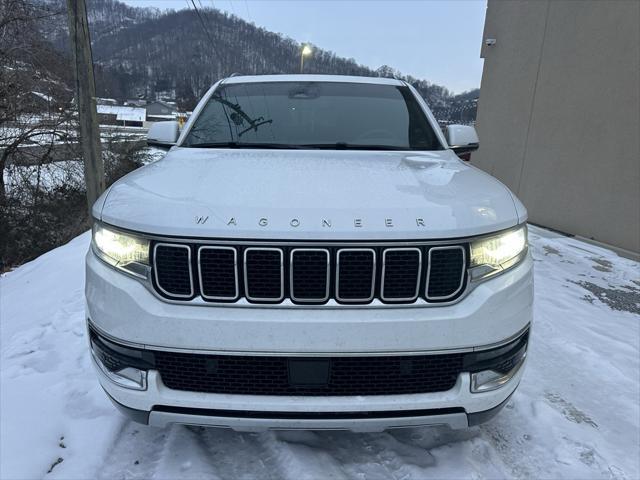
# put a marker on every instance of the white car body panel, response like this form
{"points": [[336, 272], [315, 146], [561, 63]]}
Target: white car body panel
{"points": [[264, 194], [497, 309]]}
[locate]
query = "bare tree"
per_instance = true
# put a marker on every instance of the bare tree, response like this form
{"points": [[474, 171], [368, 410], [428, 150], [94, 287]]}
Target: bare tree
{"points": [[33, 91]]}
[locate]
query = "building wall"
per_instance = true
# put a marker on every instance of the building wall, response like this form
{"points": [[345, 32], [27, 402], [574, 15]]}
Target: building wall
{"points": [[559, 113]]}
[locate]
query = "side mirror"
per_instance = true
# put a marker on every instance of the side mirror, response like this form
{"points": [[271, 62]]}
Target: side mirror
{"points": [[163, 134], [462, 139]]}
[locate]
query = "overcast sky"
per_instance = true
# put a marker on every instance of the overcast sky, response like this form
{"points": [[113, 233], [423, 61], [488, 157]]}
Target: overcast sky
{"points": [[435, 40]]}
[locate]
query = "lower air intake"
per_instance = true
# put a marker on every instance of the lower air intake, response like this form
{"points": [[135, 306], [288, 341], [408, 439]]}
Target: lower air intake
{"points": [[264, 375]]}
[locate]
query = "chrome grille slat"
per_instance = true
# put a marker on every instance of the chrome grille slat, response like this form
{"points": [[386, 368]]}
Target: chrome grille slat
{"points": [[260, 272], [308, 275], [435, 269], [353, 273], [218, 274], [407, 269], [172, 276]]}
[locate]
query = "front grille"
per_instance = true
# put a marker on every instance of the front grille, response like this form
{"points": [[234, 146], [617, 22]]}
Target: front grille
{"points": [[309, 274], [264, 375]]}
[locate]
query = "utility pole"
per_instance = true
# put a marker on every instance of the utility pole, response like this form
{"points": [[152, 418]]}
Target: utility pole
{"points": [[86, 100]]}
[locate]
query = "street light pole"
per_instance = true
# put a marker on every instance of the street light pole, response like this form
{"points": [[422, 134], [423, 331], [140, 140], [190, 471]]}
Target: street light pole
{"points": [[305, 51]]}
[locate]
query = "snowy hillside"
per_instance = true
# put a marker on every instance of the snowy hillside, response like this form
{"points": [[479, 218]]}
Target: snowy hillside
{"points": [[575, 415]]}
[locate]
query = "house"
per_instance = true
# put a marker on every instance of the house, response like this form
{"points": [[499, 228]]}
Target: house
{"points": [[121, 115], [136, 102], [159, 110], [41, 102], [106, 101]]}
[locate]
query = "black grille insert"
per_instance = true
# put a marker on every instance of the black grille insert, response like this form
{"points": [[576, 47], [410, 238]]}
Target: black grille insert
{"points": [[309, 275], [401, 274], [218, 274], [264, 375], [263, 274], [355, 275], [446, 272], [173, 270]]}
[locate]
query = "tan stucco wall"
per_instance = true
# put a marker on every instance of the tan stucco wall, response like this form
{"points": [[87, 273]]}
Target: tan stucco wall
{"points": [[559, 113]]}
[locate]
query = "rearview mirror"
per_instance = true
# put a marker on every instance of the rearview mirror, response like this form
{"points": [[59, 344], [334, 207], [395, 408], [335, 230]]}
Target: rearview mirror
{"points": [[163, 134], [462, 139]]}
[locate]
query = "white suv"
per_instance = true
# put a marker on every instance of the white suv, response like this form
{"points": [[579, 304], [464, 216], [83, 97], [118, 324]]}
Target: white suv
{"points": [[311, 253]]}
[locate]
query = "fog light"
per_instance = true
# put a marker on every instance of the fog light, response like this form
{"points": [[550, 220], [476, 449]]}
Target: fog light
{"points": [[487, 380], [127, 377]]}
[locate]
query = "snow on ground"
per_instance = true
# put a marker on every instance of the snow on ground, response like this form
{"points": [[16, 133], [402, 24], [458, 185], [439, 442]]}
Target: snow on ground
{"points": [[46, 176], [576, 413], [56, 174]]}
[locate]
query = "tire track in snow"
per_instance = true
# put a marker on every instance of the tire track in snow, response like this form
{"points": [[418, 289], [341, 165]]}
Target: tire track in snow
{"points": [[300, 455], [233, 455], [135, 452]]}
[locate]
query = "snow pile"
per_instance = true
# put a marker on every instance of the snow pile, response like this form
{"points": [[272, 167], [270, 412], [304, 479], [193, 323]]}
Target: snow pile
{"points": [[575, 415]]}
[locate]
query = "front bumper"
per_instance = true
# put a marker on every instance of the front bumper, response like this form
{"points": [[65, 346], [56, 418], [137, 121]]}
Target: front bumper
{"points": [[159, 405]]}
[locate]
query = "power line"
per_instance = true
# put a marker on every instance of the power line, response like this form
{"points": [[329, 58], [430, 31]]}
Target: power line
{"points": [[233, 10], [246, 4], [206, 30], [204, 26]]}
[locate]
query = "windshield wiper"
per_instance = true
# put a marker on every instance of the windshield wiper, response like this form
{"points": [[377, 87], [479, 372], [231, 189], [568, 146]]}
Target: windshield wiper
{"points": [[285, 146], [351, 146]]}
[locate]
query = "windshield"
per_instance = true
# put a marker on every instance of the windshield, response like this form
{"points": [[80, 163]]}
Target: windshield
{"points": [[313, 115]]}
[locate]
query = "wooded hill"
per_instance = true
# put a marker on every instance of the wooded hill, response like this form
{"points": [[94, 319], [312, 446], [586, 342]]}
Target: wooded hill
{"points": [[142, 52]]}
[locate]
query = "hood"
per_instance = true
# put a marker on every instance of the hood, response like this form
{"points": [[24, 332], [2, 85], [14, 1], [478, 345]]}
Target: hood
{"points": [[309, 194]]}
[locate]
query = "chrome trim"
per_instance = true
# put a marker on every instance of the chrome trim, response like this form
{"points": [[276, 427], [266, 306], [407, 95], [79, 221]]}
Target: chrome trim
{"points": [[506, 341], [462, 273], [455, 421], [246, 280], [373, 276], [328, 276], [312, 243], [259, 353], [384, 264], [125, 377], [155, 269], [235, 271], [499, 382]]}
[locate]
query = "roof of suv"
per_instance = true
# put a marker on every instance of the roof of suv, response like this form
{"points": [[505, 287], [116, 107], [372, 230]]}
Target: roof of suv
{"points": [[311, 78]]}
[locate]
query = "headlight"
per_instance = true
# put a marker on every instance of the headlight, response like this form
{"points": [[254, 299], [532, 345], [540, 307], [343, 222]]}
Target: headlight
{"points": [[494, 254], [124, 251]]}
